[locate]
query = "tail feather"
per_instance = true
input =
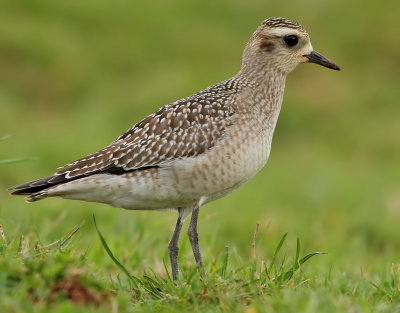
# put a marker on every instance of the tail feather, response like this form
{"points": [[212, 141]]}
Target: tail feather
{"points": [[32, 187], [37, 189], [36, 196]]}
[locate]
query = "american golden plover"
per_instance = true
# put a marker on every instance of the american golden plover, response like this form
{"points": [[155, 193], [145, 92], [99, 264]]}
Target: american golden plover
{"points": [[196, 149]]}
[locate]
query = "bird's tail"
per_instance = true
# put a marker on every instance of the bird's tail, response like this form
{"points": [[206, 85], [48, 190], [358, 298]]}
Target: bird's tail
{"points": [[37, 189]]}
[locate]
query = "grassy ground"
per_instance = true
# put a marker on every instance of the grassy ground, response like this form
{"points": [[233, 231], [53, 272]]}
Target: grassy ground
{"points": [[74, 75]]}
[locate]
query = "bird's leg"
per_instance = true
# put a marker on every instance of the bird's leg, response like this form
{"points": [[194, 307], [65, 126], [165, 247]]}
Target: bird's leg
{"points": [[194, 239], [173, 248]]}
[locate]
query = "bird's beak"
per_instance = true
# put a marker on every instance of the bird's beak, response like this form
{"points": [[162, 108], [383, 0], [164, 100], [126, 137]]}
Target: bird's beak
{"points": [[315, 57]]}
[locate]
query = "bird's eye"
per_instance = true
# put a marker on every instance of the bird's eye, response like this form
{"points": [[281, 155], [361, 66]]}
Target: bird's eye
{"points": [[291, 40]]}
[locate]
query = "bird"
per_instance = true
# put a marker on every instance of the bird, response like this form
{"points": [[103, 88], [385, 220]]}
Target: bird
{"points": [[197, 149]]}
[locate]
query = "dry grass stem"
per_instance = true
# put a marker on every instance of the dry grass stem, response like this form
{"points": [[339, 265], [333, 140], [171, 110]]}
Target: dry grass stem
{"points": [[3, 236]]}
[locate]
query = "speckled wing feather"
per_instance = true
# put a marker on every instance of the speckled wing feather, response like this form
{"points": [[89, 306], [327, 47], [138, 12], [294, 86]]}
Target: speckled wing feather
{"points": [[182, 129]]}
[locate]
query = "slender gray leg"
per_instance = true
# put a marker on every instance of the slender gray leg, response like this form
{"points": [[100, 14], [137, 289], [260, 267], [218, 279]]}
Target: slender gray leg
{"points": [[173, 248], [194, 239]]}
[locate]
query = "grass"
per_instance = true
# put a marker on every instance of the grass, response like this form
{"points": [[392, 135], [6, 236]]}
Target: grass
{"points": [[74, 75], [59, 276]]}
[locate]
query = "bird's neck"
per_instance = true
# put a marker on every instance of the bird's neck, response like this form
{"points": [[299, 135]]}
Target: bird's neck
{"points": [[263, 89]]}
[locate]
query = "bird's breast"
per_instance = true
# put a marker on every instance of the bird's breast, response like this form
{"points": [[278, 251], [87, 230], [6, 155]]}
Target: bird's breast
{"points": [[231, 163]]}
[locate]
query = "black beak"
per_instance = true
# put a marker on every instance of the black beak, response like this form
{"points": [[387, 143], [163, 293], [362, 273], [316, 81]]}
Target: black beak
{"points": [[315, 57]]}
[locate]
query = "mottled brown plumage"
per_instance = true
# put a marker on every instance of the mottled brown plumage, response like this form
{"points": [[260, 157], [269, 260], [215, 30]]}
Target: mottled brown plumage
{"points": [[182, 129], [283, 22], [197, 149]]}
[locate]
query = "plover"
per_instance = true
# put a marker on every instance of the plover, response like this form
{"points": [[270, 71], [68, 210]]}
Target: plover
{"points": [[196, 149]]}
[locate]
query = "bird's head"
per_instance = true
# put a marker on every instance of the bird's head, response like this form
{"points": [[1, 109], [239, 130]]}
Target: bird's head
{"points": [[282, 44]]}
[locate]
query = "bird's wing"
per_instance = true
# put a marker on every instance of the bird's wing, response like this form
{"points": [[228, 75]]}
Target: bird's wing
{"points": [[180, 130], [186, 128]]}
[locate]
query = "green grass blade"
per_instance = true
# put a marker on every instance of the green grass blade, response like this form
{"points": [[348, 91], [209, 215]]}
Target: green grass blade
{"points": [[304, 259], [154, 287], [16, 160], [297, 251], [380, 289], [309, 256], [296, 259], [225, 262], [281, 270], [166, 269], [252, 271], [278, 248], [133, 279]]}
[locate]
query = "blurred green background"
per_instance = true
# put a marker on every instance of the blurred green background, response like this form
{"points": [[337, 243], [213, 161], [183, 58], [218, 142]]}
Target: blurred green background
{"points": [[75, 74]]}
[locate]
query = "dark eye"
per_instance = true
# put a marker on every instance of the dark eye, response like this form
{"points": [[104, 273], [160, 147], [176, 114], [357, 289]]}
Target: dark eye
{"points": [[291, 40]]}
